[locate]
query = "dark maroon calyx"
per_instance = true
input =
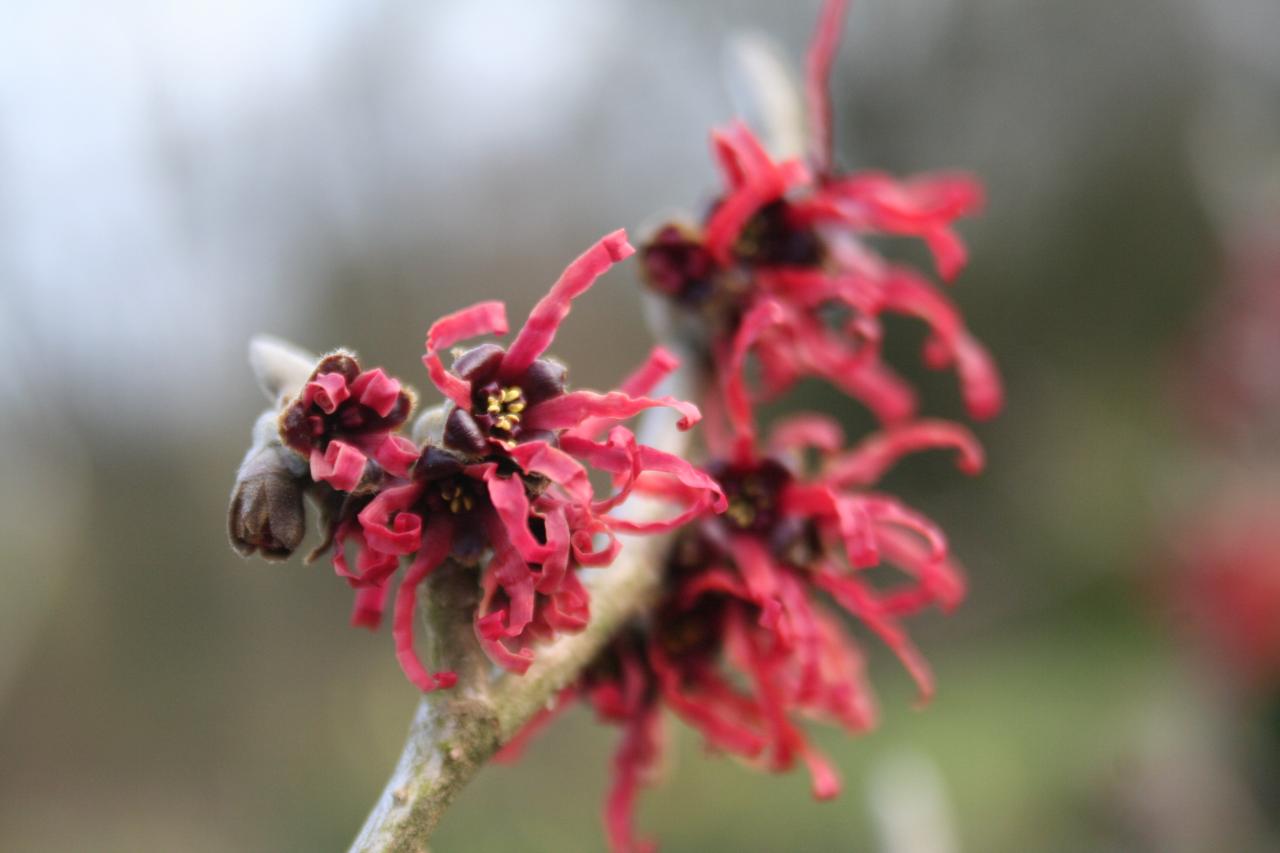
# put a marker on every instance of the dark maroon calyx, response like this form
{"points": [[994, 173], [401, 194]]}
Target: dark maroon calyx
{"points": [[678, 265], [338, 362], [773, 237], [301, 429]]}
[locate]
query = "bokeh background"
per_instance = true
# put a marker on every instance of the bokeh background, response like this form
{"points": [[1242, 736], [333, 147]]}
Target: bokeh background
{"points": [[177, 177]]}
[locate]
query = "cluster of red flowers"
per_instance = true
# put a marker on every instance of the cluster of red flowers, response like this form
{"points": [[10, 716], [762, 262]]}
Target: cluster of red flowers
{"points": [[503, 484], [787, 237], [746, 638]]}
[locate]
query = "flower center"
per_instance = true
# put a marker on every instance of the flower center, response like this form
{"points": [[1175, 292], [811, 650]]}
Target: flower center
{"points": [[457, 497], [750, 502], [771, 238], [503, 408]]}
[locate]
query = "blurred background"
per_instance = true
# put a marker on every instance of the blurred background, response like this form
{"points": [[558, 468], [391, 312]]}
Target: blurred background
{"points": [[177, 177]]}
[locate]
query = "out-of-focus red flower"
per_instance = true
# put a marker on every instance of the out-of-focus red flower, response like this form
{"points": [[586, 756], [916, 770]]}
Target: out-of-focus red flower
{"points": [[345, 416], [509, 478], [1228, 585], [746, 639], [793, 234]]}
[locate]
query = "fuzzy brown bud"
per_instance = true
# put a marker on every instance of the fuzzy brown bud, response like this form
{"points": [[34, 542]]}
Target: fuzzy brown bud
{"points": [[267, 514]]}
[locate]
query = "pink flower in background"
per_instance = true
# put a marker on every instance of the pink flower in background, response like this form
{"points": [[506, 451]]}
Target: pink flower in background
{"points": [[1228, 586], [793, 234], [345, 416]]}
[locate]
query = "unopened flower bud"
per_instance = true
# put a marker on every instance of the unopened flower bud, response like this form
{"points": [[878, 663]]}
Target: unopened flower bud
{"points": [[267, 514]]}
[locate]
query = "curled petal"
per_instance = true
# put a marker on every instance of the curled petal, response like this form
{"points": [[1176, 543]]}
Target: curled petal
{"points": [[373, 388], [327, 391], [512, 505], [850, 594], [484, 318], [825, 781], [538, 457], [540, 329], [619, 456], [571, 409], [584, 549], [370, 603], [757, 568], [737, 400], [889, 511], [372, 566], [401, 534], [340, 465], [640, 382], [493, 624], [629, 462], [396, 454], [938, 582], [510, 572], [635, 759], [818, 352], [979, 378], [710, 705], [568, 609], [904, 293], [555, 567], [710, 582], [924, 207], [806, 430], [868, 462], [658, 366], [435, 548], [849, 513]]}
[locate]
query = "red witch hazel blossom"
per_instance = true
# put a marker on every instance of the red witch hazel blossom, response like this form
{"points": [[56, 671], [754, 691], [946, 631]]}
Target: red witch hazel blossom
{"points": [[791, 234], [745, 639], [345, 416], [508, 476]]}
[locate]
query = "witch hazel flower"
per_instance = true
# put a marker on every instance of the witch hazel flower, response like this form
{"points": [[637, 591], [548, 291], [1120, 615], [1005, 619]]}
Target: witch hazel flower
{"points": [[505, 485], [793, 234], [746, 640], [344, 417]]}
